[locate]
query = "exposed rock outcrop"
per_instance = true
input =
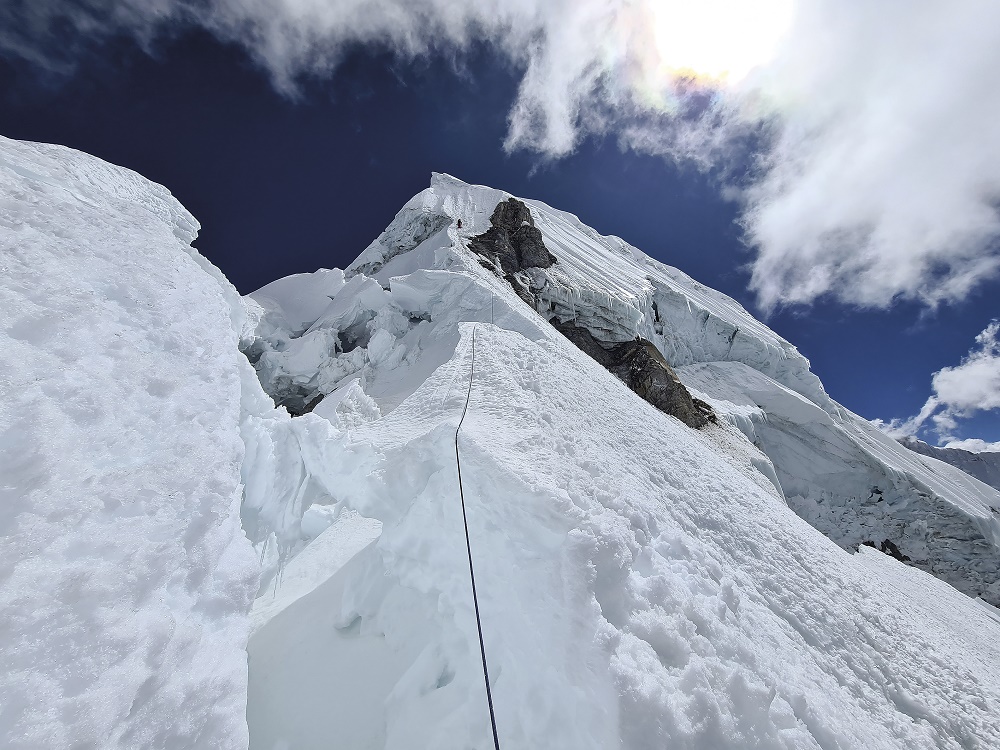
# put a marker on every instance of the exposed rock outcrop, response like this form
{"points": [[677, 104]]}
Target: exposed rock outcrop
{"points": [[888, 547], [642, 368], [513, 242]]}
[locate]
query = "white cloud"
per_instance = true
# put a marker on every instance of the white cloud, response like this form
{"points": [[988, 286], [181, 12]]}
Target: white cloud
{"points": [[901, 428], [564, 47], [959, 392], [884, 176], [974, 384], [881, 173], [974, 445]]}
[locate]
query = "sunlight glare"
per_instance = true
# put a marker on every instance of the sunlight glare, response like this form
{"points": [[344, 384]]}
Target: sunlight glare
{"points": [[718, 40]]}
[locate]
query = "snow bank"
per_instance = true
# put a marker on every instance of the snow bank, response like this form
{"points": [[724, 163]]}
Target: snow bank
{"points": [[125, 578]]}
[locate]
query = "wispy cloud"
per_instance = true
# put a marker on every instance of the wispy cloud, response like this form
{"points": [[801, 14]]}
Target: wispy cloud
{"points": [[884, 177], [958, 393], [880, 175]]}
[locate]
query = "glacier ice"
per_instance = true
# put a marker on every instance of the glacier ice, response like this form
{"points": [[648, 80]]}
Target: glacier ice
{"points": [[642, 584]]}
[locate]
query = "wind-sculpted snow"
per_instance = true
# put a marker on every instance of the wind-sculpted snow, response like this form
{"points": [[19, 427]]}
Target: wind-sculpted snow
{"points": [[983, 466], [295, 302], [618, 291], [125, 578]]}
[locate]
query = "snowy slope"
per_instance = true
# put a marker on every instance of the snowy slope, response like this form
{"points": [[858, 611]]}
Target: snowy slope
{"points": [[983, 466], [857, 485], [943, 521], [613, 288], [125, 577], [642, 584]]}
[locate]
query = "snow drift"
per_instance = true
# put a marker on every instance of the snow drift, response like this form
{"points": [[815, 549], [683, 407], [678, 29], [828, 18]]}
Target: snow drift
{"points": [[642, 583]]}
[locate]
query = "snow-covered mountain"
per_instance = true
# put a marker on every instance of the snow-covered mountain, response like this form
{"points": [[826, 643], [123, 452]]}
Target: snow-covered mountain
{"points": [[639, 460], [983, 466]]}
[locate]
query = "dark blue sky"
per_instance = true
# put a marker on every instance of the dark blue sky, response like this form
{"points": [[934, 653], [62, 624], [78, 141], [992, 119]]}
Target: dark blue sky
{"points": [[286, 186]]}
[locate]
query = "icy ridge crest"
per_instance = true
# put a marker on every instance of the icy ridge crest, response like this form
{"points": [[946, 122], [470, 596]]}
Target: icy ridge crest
{"points": [[668, 563], [941, 522]]}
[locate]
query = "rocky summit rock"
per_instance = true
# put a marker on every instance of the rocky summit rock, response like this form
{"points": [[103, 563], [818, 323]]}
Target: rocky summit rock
{"points": [[642, 368], [513, 241], [887, 547], [584, 341]]}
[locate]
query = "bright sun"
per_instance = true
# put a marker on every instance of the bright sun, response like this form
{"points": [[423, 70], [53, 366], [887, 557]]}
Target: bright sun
{"points": [[719, 40]]}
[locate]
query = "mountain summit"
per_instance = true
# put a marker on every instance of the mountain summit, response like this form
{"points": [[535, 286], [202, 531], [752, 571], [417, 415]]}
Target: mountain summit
{"points": [[670, 522]]}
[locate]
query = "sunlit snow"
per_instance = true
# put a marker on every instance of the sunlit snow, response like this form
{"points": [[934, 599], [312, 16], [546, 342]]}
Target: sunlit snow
{"points": [[642, 584]]}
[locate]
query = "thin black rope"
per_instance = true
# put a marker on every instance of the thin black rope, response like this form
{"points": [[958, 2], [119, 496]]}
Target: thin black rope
{"points": [[468, 547]]}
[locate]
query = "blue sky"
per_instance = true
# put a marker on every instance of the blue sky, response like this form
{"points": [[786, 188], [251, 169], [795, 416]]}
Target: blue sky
{"points": [[288, 184]]}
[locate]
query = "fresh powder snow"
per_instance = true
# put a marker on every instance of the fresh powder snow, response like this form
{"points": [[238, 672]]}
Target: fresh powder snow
{"points": [[641, 583]]}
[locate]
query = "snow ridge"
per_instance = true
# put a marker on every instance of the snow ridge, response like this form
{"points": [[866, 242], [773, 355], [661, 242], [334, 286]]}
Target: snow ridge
{"points": [[944, 523], [983, 466], [629, 564]]}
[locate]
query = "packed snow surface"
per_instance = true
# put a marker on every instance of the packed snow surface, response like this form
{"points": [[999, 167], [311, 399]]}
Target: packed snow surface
{"points": [[641, 584], [125, 577], [858, 485]]}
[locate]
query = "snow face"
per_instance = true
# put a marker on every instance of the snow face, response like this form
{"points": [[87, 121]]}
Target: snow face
{"points": [[983, 466], [642, 584], [125, 577], [855, 484]]}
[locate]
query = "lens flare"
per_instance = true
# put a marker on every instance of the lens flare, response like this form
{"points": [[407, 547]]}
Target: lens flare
{"points": [[717, 41]]}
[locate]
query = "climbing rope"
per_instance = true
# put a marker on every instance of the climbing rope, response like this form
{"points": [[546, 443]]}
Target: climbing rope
{"points": [[468, 547]]}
